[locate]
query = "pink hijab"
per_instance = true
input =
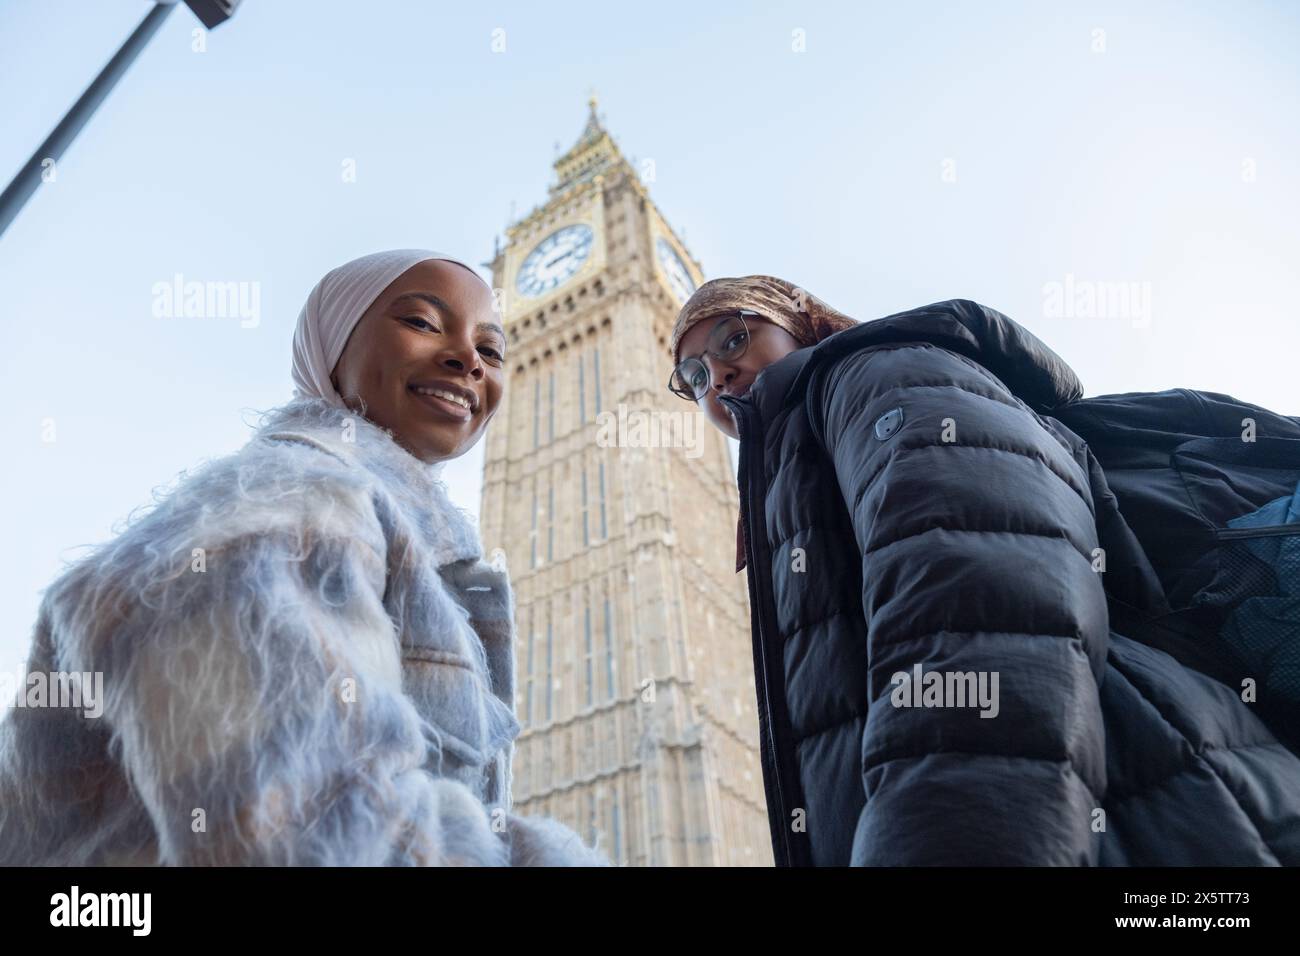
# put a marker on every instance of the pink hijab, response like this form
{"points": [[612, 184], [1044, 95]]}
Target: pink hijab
{"points": [[336, 305]]}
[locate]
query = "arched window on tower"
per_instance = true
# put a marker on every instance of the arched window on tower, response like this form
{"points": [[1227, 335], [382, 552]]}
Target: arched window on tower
{"points": [[588, 655], [582, 389], [532, 641], [537, 412], [609, 650], [586, 532], [550, 661], [532, 535], [616, 827], [604, 529]]}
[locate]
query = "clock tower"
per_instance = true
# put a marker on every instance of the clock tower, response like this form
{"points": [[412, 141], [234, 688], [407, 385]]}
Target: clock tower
{"points": [[615, 506]]}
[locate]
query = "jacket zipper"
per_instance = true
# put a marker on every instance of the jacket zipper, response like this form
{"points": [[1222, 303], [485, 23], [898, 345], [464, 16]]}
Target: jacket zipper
{"points": [[1264, 531], [778, 819]]}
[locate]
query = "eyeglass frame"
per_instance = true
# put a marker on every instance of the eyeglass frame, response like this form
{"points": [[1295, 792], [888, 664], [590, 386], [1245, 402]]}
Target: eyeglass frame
{"points": [[720, 317]]}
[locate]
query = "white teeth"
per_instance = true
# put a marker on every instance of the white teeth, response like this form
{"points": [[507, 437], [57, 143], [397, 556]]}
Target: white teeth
{"points": [[449, 396]]}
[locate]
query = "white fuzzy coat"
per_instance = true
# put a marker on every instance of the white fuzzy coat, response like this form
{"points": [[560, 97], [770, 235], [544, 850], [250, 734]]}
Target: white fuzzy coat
{"points": [[305, 660]]}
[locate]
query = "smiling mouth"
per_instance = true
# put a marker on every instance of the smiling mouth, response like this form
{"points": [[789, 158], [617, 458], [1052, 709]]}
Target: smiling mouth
{"points": [[440, 399]]}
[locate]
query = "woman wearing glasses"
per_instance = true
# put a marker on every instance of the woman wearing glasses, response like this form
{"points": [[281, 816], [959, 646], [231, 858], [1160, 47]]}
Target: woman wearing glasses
{"points": [[937, 683]]}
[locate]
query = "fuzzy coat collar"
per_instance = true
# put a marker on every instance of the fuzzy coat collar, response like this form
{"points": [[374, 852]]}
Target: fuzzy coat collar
{"points": [[358, 442]]}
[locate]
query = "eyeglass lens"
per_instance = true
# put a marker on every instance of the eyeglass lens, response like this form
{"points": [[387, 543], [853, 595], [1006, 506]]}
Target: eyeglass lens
{"points": [[727, 341]]}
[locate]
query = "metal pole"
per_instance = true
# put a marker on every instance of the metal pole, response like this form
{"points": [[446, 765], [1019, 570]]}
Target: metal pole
{"points": [[29, 178]]}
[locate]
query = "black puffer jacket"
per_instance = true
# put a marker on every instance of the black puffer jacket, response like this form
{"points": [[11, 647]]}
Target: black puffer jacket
{"points": [[908, 503]]}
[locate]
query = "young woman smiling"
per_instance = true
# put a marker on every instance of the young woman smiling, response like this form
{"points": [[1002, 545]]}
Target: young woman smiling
{"points": [[306, 659]]}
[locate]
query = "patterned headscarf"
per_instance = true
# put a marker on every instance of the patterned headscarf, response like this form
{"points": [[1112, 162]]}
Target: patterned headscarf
{"points": [[807, 318]]}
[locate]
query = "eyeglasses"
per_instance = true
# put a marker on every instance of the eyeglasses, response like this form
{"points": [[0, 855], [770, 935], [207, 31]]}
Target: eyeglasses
{"points": [[727, 342]]}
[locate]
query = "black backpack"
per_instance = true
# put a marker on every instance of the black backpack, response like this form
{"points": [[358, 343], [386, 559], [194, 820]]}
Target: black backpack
{"points": [[1209, 486]]}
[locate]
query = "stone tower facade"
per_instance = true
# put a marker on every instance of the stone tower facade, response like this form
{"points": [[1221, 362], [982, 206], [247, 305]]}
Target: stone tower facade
{"points": [[615, 506]]}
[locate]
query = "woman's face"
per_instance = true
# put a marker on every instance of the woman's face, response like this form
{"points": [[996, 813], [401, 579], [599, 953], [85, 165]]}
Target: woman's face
{"points": [[433, 330], [767, 344]]}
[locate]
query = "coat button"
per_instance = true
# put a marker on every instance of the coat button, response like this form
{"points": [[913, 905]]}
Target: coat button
{"points": [[889, 423]]}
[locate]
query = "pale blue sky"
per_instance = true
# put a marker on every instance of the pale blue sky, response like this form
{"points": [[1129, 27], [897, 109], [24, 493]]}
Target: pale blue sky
{"points": [[1168, 159]]}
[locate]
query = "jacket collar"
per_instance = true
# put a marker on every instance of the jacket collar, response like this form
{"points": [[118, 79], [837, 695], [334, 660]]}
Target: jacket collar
{"points": [[356, 441], [1032, 371], [775, 384]]}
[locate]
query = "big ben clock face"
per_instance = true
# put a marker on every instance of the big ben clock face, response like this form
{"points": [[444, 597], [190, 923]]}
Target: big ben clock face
{"points": [[679, 277], [554, 260]]}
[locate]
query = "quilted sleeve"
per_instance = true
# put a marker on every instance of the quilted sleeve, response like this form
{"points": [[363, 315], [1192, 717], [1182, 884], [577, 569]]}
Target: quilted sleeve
{"points": [[986, 623]]}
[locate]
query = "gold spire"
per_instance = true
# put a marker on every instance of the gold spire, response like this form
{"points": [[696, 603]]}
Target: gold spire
{"points": [[591, 154]]}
